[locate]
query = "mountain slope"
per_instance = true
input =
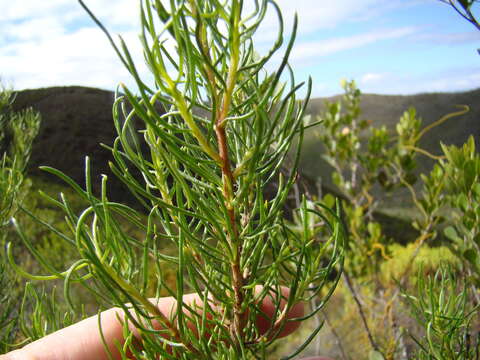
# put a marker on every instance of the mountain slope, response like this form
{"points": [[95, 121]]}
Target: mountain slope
{"points": [[387, 110], [76, 119]]}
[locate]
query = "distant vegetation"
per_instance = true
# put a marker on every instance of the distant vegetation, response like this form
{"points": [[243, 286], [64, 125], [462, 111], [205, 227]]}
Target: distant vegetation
{"points": [[386, 110], [17, 131]]}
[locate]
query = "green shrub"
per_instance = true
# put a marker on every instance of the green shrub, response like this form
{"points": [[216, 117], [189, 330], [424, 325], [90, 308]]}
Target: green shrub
{"points": [[427, 260], [17, 131], [443, 307], [370, 163], [225, 134]]}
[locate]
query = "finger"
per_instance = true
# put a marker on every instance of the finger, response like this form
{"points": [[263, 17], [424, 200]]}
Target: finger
{"points": [[78, 341], [83, 340], [268, 307], [263, 321]]}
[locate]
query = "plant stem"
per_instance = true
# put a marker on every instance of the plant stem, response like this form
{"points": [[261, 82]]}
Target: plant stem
{"points": [[360, 311], [239, 315], [338, 340], [239, 318]]}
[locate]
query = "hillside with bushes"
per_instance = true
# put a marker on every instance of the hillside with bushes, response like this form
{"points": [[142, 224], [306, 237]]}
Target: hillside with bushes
{"points": [[75, 120]]}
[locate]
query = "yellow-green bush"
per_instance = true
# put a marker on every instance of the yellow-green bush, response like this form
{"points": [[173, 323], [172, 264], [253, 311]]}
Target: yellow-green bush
{"points": [[428, 258]]}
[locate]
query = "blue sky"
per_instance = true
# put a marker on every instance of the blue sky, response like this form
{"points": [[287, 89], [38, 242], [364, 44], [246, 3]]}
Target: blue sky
{"points": [[388, 47]]}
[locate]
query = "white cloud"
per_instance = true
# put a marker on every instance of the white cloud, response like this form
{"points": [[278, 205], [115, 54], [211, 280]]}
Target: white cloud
{"points": [[450, 38], [115, 13], [452, 83], [55, 42], [47, 43], [450, 80], [118, 12], [83, 57], [27, 9], [315, 15], [308, 50], [34, 29], [369, 78]]}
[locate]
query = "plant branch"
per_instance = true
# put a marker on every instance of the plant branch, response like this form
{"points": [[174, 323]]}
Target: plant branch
{"points": [[239, 315], [337, 337], [360, 311], [440, 121]]}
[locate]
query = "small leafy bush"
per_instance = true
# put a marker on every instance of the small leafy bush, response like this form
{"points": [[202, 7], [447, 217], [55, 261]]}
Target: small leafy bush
{"points": [[370, 164], [443, 307], [427, 259], [17, 131]]}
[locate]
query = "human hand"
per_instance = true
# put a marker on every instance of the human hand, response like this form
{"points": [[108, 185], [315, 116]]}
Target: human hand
{"points": [[82, 341]]}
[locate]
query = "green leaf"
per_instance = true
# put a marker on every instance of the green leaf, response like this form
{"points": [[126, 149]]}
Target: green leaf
{"points": [[470, 173], [451, 233], [375, 355], [203, 185], [462, 202], [329, 200], [476, 189], [375, 230]]}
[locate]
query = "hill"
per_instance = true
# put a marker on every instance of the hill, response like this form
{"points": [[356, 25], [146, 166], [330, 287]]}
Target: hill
{"points": [[76, 119]]}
